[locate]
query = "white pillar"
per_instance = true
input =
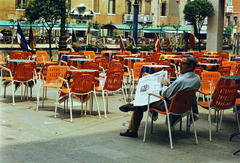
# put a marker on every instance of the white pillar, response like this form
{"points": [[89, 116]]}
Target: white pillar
{"points": [[215, 27]]}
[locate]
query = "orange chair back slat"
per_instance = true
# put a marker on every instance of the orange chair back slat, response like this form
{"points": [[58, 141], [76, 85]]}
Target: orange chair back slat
{"points": [[39, 55], [164, 62], [90, 65], [62, 52], [103, 61], [205, 51], [127, 52], [83, 82], [224, 70], [233, 65], [75, 53], [181, 102], [119, 53], [209, 76], [24, 71], [237, 72], [224, 55], [148, 59], [137, 68], [43, 71], [53, 72], [171, 72], [114, 80], [18, 55], [115, 66], [91, 54], [225, 97]]}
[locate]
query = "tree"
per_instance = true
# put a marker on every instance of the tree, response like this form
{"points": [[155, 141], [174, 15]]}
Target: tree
{"points": [[45, 11], [196, 11], [229, 30]]}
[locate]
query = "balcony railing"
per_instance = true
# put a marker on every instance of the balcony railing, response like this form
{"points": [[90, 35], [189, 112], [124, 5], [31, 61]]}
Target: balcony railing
{"points": [[146, 19]]}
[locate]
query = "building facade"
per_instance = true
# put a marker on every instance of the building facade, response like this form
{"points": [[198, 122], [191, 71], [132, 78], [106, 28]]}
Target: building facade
{"points": [[232, 14]]}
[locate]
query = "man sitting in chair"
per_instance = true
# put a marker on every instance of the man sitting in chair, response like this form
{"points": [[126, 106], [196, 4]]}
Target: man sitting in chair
{"points": [[188, 81]]}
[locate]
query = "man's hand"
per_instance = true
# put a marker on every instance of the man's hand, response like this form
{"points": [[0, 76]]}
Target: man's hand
{"points": [[165, 82]]}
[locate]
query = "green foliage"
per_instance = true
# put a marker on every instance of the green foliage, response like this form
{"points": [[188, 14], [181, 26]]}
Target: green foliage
{"points": [[180, 46], [229, 29], [198, 10]]}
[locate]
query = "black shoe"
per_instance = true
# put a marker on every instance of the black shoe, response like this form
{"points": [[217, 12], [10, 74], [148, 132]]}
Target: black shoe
{"points": [[127, 108], [175, 120], [129, 134]]}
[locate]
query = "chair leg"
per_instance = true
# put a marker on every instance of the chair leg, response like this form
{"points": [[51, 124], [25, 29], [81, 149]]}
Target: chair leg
{"points": [[195, 132], [170, 132], [221, 117], [81, 104], [97, 104], [57, 103], [107, 102], [104, 105], [217, 120], [209, 121], [43, 98], [146, 123], [70, 106], [12, 93]]}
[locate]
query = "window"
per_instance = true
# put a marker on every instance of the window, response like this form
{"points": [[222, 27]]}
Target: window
{"points": [[228, 20], [128, 6], [235, 20], [148, 7], [111, 6], [96, 6], [163, 13], [20, 4]]}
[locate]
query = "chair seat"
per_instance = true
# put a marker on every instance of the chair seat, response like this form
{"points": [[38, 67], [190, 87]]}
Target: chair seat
{"points": [[65, 90], [98, 88], [52, 85], [237, 101], [161, 112], [126, 74], [7, 78], [204, 104]]}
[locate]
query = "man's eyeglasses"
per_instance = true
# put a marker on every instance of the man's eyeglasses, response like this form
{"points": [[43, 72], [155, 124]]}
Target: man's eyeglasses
{"points": [[182, 63]]}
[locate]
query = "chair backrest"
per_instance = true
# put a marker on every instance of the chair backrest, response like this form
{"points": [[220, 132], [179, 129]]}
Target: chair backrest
{"points": [[127, 52], [237, 72], [62, 52], [148, 59], [181, 102], [24, 71], [53, 72], [233, 65], [43, 71], [90, 65], [209, 76], [225, 97], [18, 55], [103, 61], [114, 80], [171, 72], [119, 53], [42, 55], [224, 55], [75, 53], [164, 62], [91, 54], [109, 52], [137, 68], [205, 51], [224, 70], [82, 82], [198, 70], [115, 66]]}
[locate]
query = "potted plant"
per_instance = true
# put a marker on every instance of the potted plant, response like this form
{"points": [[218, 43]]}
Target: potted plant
{"points": [[180, 48], [131, 48], [76, 46], [145, 47]]}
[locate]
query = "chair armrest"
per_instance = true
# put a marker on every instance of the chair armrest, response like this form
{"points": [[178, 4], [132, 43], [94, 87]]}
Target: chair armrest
{"points": [[60, 78], [206, 81], [152, 94], [238, 91], [7, 69], [64, 62], [96, 78], [72, 67]]}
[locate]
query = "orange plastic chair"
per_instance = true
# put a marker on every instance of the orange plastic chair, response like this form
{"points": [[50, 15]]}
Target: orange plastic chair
{"points": [[62, 52], [24, 73], [181, 104], [198, 70], [224, 55], [224, 70], [1, 62], [171, 72], [43, 73], [114, 82], [205, 51], [75, 53], [233, 65], [164, 62], [18, 55], [224, 98], [83, 84], [209, 81], [127, 52], [53, 72], [237, 72], [90, 54], [42, 57], [90, 65], [103, 62], [155, 56]]}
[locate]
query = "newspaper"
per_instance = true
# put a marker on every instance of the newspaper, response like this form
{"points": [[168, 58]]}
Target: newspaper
{"points": [[149, 84]]}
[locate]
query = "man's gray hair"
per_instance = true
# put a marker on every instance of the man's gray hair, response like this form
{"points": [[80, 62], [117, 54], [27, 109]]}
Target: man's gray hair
{"points": [[191, 61]]}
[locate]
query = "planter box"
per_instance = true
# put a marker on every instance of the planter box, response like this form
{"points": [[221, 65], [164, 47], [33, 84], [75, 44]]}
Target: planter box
{"points": [[134, 51]]}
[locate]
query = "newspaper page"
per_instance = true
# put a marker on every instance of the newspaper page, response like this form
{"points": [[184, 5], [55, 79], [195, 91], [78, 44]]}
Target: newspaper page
{"points": [[149, 84]]}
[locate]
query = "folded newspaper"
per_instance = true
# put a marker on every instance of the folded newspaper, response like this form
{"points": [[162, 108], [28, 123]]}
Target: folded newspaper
{"points": [[149, 84]]}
